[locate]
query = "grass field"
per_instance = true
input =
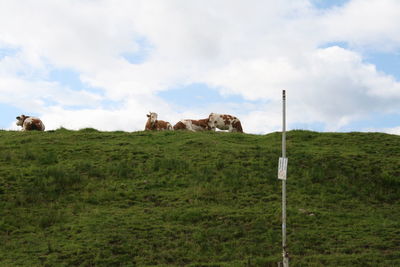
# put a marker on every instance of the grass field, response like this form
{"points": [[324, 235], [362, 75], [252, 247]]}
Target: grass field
{"points": [[90, 198]]}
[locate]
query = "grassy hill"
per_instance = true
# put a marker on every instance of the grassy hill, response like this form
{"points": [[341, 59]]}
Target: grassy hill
{"points": [[94, 198]]}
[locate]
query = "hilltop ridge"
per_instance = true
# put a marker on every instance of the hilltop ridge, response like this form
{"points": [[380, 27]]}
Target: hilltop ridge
{"points": [[197, 199]]}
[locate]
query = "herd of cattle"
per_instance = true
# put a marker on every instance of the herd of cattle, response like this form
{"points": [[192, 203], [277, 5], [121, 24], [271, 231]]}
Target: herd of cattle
{"points": [[214, 120]]}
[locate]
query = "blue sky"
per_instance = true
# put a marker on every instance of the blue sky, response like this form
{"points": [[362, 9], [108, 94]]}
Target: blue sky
{"points": [[199, 96], [105, 65], [326, 4], [385, 62]]}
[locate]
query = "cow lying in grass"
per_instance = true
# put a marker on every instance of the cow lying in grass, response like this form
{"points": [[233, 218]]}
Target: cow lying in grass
{"points": [[224, 122], [30, 123], [192, 125], [153, 124]]}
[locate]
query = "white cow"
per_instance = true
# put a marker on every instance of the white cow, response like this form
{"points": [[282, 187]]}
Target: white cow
{"points": [[192, 125], [153, 124], [224, 122], [30, 123]]}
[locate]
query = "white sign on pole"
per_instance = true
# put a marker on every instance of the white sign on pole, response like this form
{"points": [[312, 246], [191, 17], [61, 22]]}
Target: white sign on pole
{"points": [[282, 168]]}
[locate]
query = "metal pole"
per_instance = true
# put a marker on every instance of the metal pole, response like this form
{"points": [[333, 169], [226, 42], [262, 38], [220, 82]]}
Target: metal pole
{"points": [[284, 246]]}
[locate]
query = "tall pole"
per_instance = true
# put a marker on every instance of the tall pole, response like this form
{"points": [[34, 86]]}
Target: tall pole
{"points": [[284, 246]]}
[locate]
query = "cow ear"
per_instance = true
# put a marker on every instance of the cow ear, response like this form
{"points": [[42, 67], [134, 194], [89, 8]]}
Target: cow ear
{"points": [[148, 116], [18, 117]]}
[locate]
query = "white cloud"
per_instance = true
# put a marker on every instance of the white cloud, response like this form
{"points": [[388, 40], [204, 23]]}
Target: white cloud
{"points": [[332, 85], [365, 23], [251, 48], [394, 130], [35, 95]]}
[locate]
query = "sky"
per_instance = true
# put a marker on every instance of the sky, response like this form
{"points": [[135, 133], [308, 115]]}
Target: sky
{"points": [[106, 63]]}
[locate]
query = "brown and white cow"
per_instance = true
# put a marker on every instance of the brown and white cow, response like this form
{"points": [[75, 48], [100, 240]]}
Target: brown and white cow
{"points": [[192, 125], [224, 122], [153, 124], [30, 123]]}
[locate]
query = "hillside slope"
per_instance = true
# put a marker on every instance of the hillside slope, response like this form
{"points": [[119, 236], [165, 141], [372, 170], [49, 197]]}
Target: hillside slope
{"points": [[197, 199]]}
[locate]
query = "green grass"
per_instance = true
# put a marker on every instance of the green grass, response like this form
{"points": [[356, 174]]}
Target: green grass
{"points": [[94, 198]]}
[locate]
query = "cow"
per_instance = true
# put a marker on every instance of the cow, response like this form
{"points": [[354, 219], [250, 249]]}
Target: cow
{"points": [[153, 124], [192, 125], [224, 122], [30, 123]]}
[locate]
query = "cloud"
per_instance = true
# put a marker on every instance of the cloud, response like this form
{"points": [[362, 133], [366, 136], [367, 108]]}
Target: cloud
{"points": [[253, 49], [393, 130], [36, 95], [332, 85], [364, 23]]}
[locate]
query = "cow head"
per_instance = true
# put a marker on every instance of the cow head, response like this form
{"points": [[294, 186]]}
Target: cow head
{"points": [[21, 119], [152, 117]]}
